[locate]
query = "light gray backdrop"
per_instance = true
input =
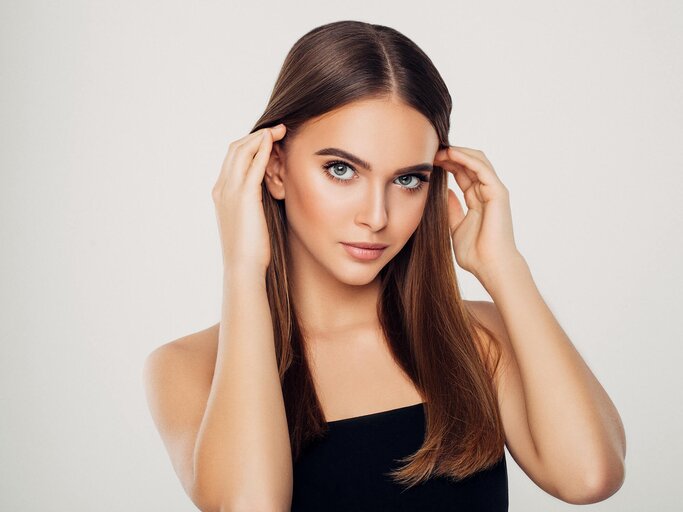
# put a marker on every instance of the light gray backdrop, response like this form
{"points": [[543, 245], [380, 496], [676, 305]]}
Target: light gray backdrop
{"points": [[116, 117]]}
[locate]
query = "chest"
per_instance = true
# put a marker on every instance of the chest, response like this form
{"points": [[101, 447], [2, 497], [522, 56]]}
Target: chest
{"points": [[357, 376]]}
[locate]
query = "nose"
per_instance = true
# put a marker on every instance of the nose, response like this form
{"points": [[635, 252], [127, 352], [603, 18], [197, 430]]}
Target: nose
{"points": [[373, 209]]}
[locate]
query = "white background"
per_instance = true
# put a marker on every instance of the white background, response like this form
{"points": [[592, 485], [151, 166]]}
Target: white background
{"points": [[116, 117]]}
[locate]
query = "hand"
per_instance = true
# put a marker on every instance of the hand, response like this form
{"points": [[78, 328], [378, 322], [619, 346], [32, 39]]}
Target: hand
{"points": [[237, 198], [482, 239]]}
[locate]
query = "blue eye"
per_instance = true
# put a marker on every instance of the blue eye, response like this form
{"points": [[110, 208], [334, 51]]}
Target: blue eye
{"points": [[420, 179]]}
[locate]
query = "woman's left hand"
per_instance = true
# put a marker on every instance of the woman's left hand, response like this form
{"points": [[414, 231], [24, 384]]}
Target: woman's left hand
{"points": [[482, 238]]}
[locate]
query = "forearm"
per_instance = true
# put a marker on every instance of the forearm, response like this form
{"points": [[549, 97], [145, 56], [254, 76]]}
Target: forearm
{"points": [[574, 425], [242, 455]]}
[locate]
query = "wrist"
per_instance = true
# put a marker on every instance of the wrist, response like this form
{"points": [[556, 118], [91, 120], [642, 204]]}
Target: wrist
{"points": [[248, 274], [511, 265]]}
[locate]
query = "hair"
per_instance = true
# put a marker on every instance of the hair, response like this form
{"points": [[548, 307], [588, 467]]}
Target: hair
{"points": [[432, 335]]}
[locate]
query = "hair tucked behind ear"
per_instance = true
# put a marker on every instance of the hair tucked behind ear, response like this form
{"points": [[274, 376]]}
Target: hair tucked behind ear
{"points": [[448, 354]]}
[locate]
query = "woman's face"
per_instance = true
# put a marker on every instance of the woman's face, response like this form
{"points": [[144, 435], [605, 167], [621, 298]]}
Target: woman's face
{"points": [[331, 197]]}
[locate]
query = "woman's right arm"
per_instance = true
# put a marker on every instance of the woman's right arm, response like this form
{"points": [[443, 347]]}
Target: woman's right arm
{"points": [[226, 434], [229, 439], [242, 456]]}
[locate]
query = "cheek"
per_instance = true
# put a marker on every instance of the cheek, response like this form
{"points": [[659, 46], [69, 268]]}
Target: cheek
{"points": [[407, 216], [313, 207]]}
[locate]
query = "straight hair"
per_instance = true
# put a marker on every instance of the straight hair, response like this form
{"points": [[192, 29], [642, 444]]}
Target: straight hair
{"points": [[432, 335]]}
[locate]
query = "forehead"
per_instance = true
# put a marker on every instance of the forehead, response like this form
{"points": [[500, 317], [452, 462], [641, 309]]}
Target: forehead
{"points": [[377, 129]]}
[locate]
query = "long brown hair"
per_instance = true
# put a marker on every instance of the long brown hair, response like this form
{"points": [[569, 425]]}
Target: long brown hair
{"points": [[431, 333]]}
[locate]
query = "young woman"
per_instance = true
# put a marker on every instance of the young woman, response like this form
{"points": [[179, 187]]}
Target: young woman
{"points": [[346, 371]]}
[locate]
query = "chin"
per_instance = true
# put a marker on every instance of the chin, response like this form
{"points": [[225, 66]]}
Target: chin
{"points": [[360, 280], [354, 274]]}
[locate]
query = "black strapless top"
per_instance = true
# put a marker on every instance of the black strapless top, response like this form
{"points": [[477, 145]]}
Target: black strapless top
{"points": [[344, 471]]}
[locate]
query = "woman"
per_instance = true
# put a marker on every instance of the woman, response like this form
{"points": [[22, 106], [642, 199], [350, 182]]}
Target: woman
{"points": [[349, 378]]}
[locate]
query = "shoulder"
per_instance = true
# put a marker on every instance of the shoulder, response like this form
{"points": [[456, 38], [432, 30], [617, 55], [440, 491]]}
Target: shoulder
{"points": [[200, 340], [197, 347], [177, 379], [182, 367], [192, 357], [487, 314]]}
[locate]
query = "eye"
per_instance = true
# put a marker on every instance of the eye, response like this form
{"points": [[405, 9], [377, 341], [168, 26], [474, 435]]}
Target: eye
{"points": [[339, 165]]}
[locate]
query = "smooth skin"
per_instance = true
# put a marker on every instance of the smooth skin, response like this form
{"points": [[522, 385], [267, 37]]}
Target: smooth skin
{"points": [[202, 388], [222, 417], [339, 292], [578, 438]]}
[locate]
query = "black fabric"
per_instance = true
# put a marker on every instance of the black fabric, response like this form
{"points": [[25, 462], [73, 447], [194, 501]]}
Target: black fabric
{"points": [[344, 471]]}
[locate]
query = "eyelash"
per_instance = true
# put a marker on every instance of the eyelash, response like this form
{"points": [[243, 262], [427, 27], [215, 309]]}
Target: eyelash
{"points": [[422, 177]]}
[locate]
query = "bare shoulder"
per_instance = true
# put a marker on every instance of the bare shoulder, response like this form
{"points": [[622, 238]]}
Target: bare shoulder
{"points": [[485, 311], [488, 315], [177, 379], [197, 341], [192, 355]]}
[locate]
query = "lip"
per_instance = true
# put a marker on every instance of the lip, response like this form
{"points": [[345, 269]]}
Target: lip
{"points": [[362, 253], [364, 245]]}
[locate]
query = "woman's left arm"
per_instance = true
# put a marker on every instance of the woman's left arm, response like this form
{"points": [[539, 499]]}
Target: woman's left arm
{"points": [[575, 441], [576, 429]]}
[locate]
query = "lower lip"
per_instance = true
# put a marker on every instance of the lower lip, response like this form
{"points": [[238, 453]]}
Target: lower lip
{"points": [[363, 254]]}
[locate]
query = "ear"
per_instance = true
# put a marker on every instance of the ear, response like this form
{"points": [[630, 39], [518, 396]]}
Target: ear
{"points": [[275, 172]]}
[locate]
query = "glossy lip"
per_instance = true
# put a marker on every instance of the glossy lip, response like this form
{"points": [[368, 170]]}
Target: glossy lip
{"points": [[363, 254], [364, 245]]}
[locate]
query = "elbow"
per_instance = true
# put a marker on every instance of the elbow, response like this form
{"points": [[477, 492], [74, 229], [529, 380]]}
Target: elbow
{"points": [[212, 497], [262, 503], [241, 505], [601, 485], [204, 502], [608, 483], [250, 506]]}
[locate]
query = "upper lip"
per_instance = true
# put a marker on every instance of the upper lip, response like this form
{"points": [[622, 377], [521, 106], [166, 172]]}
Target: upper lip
{"points": [[364, 245]]}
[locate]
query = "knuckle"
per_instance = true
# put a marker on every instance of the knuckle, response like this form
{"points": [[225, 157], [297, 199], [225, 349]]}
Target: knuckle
{"points": [[262, 154], [239, 148]]}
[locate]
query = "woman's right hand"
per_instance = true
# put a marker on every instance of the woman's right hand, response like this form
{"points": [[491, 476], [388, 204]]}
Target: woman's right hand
{"points": [[237, 197]]}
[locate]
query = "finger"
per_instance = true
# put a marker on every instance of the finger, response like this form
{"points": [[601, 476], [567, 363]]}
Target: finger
{"points": [[455, 168], [244, 153], [442, 160], [463, 180], [475, 153], [244, 159], [462, 177], [442, 154], [257, 168], [455, 211], [482, 171], [228, 162], [468, 183], [241, 154]]}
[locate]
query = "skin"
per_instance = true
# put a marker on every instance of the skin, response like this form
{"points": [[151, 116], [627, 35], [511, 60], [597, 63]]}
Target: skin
{"points": [[560, 425], [335, 291], [546, 384]]}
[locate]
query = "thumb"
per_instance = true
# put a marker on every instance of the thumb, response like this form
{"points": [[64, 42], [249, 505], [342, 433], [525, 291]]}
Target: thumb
{"points": [[455, 211]]}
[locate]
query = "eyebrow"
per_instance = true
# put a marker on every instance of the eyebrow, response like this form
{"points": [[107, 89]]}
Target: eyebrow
{"points": [[362, 163]]}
